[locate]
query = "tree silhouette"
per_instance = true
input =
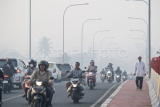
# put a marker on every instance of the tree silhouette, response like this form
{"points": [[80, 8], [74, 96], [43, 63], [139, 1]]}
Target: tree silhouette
{"points": [[45, 45]]}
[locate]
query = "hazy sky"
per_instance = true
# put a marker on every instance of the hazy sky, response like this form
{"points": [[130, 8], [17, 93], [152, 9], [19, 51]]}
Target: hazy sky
{"points": [[47, 20]]}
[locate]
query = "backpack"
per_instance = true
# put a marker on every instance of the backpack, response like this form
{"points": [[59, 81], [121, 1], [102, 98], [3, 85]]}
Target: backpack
{"points": [[7, 71]]}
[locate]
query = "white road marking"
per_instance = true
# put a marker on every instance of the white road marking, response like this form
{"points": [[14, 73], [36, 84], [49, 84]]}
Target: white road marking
{"points": [[12, 98], [103, 96], [23, 94]]}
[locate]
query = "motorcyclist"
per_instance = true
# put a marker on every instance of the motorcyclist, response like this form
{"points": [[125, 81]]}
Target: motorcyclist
{"points": [[11, 70], [111, 69], [124, 74], [31, 68], [43, 74], [102, 72], [76, 72], [118, 71], [92, 66]]}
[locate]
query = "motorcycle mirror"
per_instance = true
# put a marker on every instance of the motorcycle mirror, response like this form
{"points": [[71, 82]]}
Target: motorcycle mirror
{"points": [[96, 66], [67, 71], [51, 78], [85, 68]]}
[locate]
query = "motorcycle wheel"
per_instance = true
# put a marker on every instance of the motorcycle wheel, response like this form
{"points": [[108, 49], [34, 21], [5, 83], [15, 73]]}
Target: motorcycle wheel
{"points": [[37, 103], [74, 96], [4, 88], [102, 81], [91, 84]]}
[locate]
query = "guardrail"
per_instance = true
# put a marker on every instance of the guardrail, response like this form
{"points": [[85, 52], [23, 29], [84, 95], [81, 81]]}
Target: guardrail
{"points": [[155, 80]]}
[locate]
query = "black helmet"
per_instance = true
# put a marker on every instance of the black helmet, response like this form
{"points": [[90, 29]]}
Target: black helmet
{"points": [[42, 63], [47, 65], [9, 61], [31, 61]]}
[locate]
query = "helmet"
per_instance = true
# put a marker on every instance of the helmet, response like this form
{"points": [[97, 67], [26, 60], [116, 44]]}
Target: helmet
{"points": [[92, 61], [118, 67], [9, 61], [35, 63], [47, 65], [31, 60], [102, 69], [42, 63]]}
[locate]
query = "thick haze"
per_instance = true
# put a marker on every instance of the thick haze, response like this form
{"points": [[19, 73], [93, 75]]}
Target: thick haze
{"points": [[47, 20]]}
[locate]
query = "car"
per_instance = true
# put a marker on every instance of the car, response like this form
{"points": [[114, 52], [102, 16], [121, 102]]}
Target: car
{"points": [[19, 65], [63, 68], [56, 73]]}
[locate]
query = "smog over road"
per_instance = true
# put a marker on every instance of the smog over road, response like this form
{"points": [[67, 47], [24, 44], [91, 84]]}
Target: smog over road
{"points": [[79, 53]]}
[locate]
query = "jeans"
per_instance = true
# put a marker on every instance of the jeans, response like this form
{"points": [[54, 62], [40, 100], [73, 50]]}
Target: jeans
{"points": [[0, 94], [139, 84]]}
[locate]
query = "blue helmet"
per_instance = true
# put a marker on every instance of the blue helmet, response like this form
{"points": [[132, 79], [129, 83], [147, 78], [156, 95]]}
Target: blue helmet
{"points": [[31, 60]]}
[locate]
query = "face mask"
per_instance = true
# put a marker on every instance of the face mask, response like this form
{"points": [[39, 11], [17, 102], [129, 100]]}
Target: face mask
{"points": [[31, 65]]}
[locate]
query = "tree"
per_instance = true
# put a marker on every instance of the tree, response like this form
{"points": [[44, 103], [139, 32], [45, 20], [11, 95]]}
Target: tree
{"points": [[45, 45]]}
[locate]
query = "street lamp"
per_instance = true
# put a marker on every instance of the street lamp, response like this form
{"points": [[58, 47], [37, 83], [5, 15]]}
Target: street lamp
{"points": [[140, 31], [82, 39], [138, 0], [149, 32], [29, 29], [63, 23], [93, 39], [101, 47], [141, 39]]}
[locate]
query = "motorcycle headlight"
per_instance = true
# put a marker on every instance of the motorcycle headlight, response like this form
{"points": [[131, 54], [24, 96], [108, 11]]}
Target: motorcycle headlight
{"points": [[109, 71], [102, 75], [74, 85], [123, 77], [39, 83], [109, 76], [90, 73], [117, 75]]}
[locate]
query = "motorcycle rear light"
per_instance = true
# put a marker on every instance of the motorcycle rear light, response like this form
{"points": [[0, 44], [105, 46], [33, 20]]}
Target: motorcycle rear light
{"points": [[5, 75], [18, 71]]}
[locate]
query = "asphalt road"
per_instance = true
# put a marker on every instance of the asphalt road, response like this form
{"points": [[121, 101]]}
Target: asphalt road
{"points": [[92, 97]]}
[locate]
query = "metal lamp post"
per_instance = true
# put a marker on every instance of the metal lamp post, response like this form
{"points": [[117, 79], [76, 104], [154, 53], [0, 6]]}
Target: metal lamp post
{"points": [[63, 22]]}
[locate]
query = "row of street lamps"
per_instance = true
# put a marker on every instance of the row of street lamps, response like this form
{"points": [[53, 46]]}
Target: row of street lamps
{"points": [[148, 30]]}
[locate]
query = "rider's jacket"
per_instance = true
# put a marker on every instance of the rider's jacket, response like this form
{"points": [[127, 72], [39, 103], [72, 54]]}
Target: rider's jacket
{"points": [[118, 71], [91, 67], [29, 71], [38, 75]]}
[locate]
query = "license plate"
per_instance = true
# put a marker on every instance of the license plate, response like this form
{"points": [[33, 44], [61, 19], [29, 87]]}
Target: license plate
{"points": [[75, 79], [5, 82], [17, 78]]}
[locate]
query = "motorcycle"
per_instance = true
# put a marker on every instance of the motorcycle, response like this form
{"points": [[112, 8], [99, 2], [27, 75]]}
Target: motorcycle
{"points": [[103, 77], [109, 76], [27, 86], [38, 93], [6, 84], [118, 78], [91, 79], [75, 90], [124, 78]]}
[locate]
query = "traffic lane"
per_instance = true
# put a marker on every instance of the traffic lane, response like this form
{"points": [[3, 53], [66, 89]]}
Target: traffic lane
{"points": [[60, 97], [91, 96], [16, 92]]}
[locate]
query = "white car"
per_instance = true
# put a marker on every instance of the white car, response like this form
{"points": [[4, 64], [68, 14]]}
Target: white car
{"points": [[19, 65], [55, 71]]}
